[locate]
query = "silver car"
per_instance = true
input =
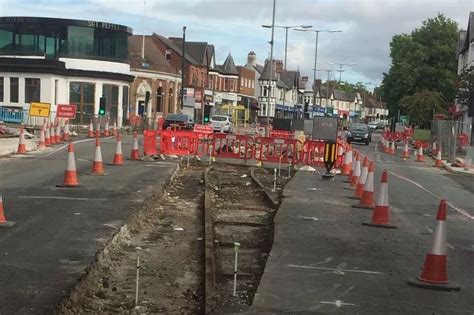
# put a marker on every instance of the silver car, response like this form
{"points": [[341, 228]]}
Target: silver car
{"points": [[221, 123]]}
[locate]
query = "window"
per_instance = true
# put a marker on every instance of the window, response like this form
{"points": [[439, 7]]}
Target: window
{"points": [[1, 89], [159, 100], [168, 54], [14, 90], [125, 102], [83, 95], [111, 100], [32, 90], [226, 84], [55, 91], [80, 41]]}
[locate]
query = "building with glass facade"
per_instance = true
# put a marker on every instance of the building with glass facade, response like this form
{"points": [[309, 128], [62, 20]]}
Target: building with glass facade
{"points": [[63, 61]]}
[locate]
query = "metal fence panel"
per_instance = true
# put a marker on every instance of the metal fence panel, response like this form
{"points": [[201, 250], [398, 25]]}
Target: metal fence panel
{"points": [[450, 138]]}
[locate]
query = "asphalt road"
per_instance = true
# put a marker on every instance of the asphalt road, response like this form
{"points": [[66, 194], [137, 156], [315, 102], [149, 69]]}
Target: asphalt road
{"points": [[324, 260], [59, 230]]}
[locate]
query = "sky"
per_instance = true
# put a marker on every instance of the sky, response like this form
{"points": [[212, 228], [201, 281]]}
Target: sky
{"points": [[235, 26]]}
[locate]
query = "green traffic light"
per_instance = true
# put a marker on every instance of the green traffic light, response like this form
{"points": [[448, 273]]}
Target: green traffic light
{"points": [[102, 112], [206, 119]]}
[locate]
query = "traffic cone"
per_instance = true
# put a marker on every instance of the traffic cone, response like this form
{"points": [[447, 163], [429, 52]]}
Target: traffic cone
{"points": [[97, 129], [362, 179], [90, 134], [392, 148], [406, 152], [380, 216], [349, 177], [3, 222], [97, 164], [420, 157], [106, 129], [135, 155], [435, 274], [66, 135], [439, 161], [347, 166], [356, 172], [52, 135], [387, 148], [367, 199], [42, 142], [58, 133], [434, 150], [70, 175], [21, 143], [47, 138], [118, 158]]}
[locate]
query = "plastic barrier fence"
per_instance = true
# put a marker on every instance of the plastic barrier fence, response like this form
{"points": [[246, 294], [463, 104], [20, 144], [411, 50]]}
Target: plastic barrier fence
{"points": [[149, 142], [277, 150], [177, 142], [232, 146], [313, 153]]}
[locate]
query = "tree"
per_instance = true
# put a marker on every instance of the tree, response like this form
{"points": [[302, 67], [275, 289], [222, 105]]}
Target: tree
{"points": [[466, 93], [422, 60], [421, 106]]}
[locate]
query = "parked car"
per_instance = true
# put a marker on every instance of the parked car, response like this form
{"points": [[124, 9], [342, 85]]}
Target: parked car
{"points": [[359, 133], [222, 123], [375, 125], [180, 121]]}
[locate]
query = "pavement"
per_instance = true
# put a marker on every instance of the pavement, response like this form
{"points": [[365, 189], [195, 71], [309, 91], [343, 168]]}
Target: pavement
{"points": [[324, 261], [9, 146], [58, 231]]}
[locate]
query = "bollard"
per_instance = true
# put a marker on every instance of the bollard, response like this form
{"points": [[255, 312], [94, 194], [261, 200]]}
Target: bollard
{"points": [[279, 167], [236, 250], [187, 161], [274, 180]]}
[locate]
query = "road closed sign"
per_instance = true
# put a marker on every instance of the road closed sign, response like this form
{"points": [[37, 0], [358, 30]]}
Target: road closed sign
{"points": [[40, 109], [66, 111]]}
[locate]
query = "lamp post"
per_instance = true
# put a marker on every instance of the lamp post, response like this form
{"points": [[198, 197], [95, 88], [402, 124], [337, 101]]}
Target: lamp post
{"points": [[316, 54], [183, 59], [327, 85], [267, 131], [340, 67]]}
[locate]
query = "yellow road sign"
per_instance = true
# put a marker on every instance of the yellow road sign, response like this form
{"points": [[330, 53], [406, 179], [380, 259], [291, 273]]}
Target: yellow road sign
{"points": [[330, 148], [40, 109]]}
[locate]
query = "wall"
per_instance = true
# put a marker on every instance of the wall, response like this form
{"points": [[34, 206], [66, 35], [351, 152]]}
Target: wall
{"points": [[246, 84]]}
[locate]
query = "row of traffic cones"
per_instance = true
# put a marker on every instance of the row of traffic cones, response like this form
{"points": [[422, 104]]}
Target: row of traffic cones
{"points": [[106, 131], [434, 273], [70, 175], [389, 148]]}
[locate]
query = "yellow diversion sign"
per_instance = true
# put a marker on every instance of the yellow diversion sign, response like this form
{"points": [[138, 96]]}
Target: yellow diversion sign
{"points": [[330, 154], [40, 109]]}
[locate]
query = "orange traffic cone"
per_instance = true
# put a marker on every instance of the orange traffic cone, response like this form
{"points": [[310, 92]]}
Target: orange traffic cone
{"points": [[118, 158], [70, 175], [21, 143], [356, 173], [387, 148], [58, 133], [52, 135], [392, 148], [347, 166], [420, 157], [3, 222], [435, 274], [349, 177], [434, 150], [97, 164], [97, 129], [66, 134], [42, 142], [106, 129], [406, 152], [381, 216], [439, 161], [47, 138], [90, 134], [362, 179], [135, 155], [367, 198]]}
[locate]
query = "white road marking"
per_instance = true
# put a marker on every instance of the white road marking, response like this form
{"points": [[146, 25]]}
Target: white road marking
{"points": [[335, 269], [337, 303], [429, 229], [66, 145], [62, 198], [314, 189], [314, 218], [461, 211], [450, 246]]}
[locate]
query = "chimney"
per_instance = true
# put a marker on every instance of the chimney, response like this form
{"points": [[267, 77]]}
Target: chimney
{"points": [[279, 66], [252, 58], [304, 79]]}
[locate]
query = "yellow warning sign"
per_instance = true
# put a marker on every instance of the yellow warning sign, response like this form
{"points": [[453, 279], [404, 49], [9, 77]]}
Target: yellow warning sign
{"points": [[40, 109]]}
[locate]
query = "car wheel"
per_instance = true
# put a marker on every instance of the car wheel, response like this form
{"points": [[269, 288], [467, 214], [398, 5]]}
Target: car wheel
{"points": [[367, 142]]}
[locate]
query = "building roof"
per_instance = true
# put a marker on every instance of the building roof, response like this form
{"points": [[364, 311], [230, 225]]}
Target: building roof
{"points": [[265, 74], [178, 49], [229, 66], [469, 36], [290, 78], [154, 58], [341, 95], [371, 102], [197, 50]]}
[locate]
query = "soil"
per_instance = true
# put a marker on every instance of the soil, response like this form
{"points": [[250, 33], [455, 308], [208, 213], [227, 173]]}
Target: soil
{"points": [[169, 241]]}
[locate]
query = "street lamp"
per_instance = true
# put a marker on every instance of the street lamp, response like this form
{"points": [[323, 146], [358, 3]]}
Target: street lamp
{"points": [[183, 59], [316, 53], [287, 27], [327, 85], [340, 67]]}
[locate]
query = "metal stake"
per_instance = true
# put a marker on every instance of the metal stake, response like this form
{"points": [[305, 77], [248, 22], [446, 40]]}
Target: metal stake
{"points": [[289, 170], [236, 250], [274, 179], [137, 280], [279, 167], [187, 162]]}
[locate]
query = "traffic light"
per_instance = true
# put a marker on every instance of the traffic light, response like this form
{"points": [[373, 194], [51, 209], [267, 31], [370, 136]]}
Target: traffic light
{"points": [[207, 113], [102, 106]]}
